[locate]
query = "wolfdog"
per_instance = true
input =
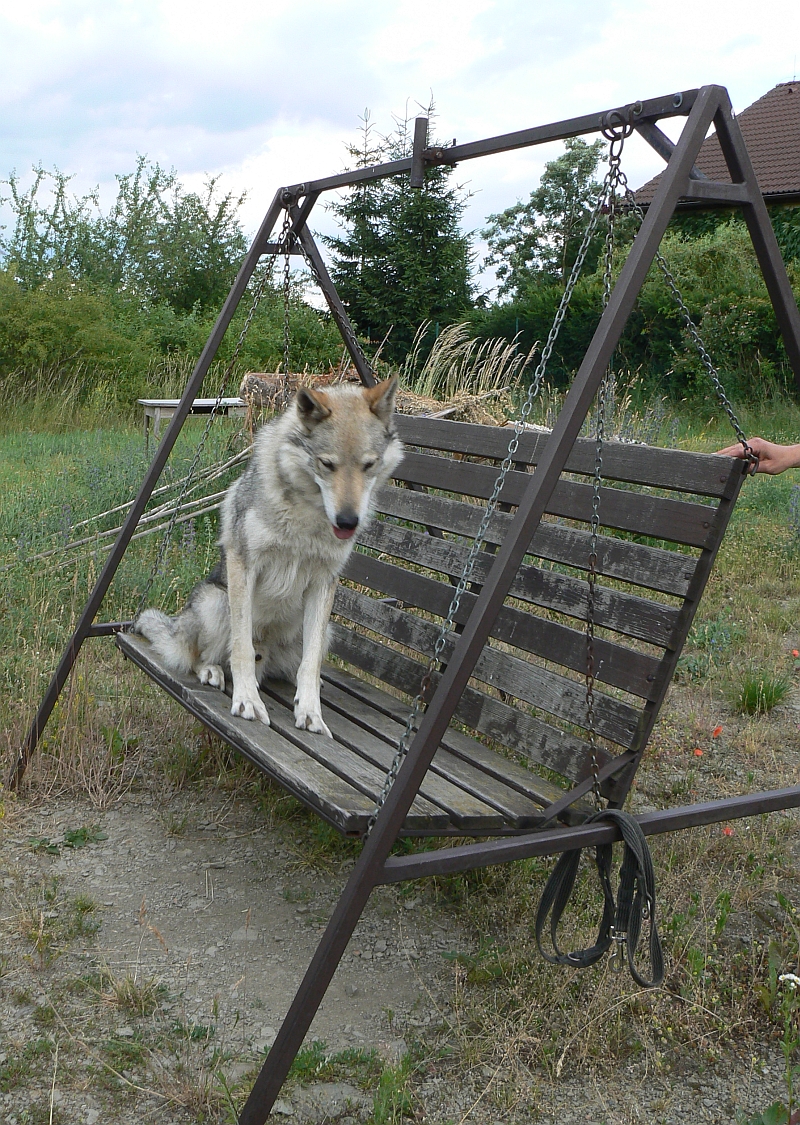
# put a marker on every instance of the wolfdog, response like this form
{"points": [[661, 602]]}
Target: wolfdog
{"points": [[287, 528]]}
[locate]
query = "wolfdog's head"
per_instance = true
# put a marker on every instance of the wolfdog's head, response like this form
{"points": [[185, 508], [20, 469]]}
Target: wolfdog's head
{"points": [[348, 437]]}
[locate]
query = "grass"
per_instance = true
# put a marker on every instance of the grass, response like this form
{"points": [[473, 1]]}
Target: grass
{"points": [[759, 692], [138, 997], [511, 1018], [49, 921]]}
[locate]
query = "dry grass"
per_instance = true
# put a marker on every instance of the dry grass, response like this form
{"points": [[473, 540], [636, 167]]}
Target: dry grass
{"points": [[458, 364]]}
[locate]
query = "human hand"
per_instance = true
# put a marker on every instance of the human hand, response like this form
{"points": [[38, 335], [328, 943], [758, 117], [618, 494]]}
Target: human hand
{"points": [[772, 458]]}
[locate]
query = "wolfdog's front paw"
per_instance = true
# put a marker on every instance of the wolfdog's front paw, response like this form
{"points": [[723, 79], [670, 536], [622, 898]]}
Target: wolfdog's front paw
{"points": [[212, 674], [310, 718], [247, 706]]}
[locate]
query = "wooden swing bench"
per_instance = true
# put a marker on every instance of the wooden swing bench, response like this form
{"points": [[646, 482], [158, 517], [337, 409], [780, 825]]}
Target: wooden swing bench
{"points": [[525, 696], [502, 747]]}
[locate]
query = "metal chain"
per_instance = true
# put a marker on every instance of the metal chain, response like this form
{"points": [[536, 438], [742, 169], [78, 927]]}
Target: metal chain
{"points": [[165, 542], [615, 154], [749, 455], [287, 249], [505, 468]]}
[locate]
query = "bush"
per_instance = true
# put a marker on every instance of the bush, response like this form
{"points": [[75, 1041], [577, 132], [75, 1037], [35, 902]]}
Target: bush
{"points": [[719, 278]]}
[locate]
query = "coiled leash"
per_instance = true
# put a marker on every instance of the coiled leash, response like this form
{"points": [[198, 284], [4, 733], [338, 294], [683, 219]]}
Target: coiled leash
{"points": [[621, 924]]}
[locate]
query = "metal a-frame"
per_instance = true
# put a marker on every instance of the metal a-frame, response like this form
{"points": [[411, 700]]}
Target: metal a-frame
{"points": [[703, 108]]}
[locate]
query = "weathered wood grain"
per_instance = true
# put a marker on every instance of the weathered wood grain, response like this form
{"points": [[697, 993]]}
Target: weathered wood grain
{"points": [[628, 614], [623, 613], [349, 690], [530, 735], [657, 517], [652, 567], [539, 686], [312, 783], [675, 469], [437, 791]]}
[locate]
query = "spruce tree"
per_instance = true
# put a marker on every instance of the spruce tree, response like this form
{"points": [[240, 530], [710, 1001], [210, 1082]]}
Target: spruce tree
{"points": [[402, 257]]}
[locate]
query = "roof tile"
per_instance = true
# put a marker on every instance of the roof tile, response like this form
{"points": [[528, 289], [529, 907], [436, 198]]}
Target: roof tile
{"points": [[771, 130]]}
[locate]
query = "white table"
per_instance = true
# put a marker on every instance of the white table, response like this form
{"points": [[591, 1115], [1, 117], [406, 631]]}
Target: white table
{"points": [[158, 409]]}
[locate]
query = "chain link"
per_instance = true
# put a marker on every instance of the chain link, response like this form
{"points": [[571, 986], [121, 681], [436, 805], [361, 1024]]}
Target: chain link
{"points": [[603, 395], [167, 538], [749, 455], [286, 241], [505, 468]]}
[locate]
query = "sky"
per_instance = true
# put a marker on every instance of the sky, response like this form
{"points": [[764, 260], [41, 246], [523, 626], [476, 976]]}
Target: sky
{"points": [[266, 93]]}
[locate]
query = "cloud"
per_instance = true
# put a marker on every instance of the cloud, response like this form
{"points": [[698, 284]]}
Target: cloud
{"points": [[268, 93]]}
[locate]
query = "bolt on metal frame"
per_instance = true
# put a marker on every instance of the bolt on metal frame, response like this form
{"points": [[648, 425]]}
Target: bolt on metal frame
{"points": [[703, 108]]}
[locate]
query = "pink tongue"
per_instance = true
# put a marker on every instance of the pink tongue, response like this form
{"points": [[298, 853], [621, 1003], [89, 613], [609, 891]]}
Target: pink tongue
{"points": [[343, 532]]}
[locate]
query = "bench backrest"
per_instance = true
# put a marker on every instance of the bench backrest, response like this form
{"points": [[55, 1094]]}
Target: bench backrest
{"points": [[663, 513]]}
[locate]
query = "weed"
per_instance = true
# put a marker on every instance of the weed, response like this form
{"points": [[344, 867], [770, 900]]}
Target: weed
{"points": [[83, 917], [393, 1099], [140, 998], [175, 824], [758, 692], [313, 1063], [49, 921], [17, 1067], [44, 1015], [196, 1032], [72, 838]]}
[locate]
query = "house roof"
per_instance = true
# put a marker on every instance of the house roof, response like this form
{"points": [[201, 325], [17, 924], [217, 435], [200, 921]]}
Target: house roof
{"points": [[771, 130]]}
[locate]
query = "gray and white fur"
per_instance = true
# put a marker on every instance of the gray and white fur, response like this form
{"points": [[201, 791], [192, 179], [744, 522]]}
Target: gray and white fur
{"points": [[287, 529]]}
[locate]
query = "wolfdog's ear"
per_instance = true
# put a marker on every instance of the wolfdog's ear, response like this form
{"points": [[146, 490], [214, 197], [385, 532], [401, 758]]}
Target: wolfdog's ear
{"points": [[381, 398], [312, 406]]}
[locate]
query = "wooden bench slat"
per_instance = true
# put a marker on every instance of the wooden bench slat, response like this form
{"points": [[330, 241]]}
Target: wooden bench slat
{"points": [[529, 735], [437, 791], [634, 672], [362, 770], [539, 686], [657, 517], [623, 613], [701, 473], [537, 789], [515, 808], [641, 618], [669, 572], [303, 777]]}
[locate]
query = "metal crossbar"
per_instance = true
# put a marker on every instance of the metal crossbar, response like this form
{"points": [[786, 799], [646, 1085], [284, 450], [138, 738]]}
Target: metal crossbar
{"points": [[702, 108]]}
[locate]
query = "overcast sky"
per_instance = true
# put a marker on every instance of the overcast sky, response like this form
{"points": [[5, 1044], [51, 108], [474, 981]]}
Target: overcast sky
{"points": [[268, 92]]}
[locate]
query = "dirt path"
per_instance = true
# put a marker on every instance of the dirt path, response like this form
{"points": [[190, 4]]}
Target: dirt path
{"points": [[211, 918], [222, 915]]}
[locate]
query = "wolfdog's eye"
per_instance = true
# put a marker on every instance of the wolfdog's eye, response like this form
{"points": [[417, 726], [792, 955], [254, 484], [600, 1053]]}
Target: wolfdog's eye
{"points": [[326, 464], [368, 465]]}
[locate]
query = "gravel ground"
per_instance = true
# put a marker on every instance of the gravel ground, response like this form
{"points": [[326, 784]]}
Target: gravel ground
{"points": [[220, 910]]}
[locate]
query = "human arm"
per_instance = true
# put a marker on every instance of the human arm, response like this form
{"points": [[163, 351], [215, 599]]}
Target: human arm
{"points": [[772, 458]]}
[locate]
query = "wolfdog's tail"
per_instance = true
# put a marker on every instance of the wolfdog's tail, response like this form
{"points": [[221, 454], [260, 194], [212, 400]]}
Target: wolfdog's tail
{"points": [[168, 637]]}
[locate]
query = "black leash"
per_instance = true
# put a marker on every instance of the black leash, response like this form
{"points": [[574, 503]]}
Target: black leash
{"points": [[621, 924]]}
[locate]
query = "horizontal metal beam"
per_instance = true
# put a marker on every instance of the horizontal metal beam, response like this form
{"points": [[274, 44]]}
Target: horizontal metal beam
{"points": [[712, 191], [108, 628], [276, 248], [449, 861], [672, 105]]}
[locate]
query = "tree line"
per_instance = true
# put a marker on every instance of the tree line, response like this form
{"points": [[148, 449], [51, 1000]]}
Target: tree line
{"points": [[119, 294]]}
